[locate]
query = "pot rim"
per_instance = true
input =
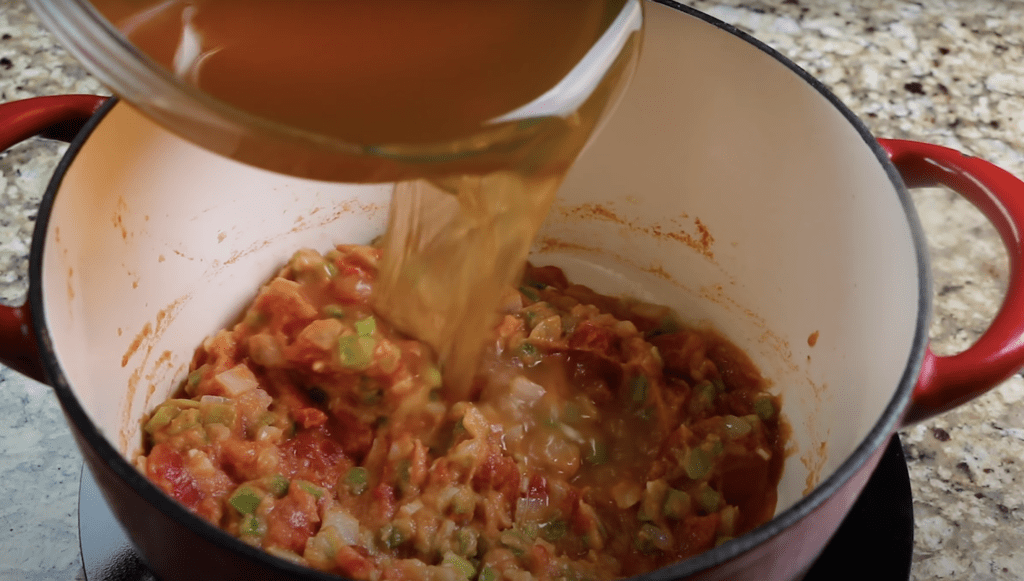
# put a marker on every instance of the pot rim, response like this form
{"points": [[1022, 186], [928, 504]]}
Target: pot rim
{"points": [[876, 438]]}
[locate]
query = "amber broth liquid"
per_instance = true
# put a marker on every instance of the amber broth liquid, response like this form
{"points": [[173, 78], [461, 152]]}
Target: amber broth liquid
{"points": [[414, 85]]}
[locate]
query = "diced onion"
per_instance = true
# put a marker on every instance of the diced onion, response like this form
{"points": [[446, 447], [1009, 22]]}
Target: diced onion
{"points": [[346, 525], [735, 427], [626, 494], [525, 391], [530, 510], [237, 380], [265, 350], [411, 508]]}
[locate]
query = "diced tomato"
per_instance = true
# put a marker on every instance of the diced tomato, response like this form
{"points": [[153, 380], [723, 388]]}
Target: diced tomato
{"points": [[238, 458], [537, 487], [315, 456], [591, 337], [353, 434], [498, 472], [549, 275], [384, 502], [283, 300], [540, 562], [696, 534], [166, 468], [309, 417], [353, 562], [292, 520], [677, 351]]}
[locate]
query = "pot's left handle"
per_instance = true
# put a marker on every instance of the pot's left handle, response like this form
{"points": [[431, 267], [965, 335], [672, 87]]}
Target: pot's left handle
{"points": [[59, 117]]}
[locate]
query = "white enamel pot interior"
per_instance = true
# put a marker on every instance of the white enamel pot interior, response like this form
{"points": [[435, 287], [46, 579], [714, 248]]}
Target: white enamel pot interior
{"points": [[727, 184]]}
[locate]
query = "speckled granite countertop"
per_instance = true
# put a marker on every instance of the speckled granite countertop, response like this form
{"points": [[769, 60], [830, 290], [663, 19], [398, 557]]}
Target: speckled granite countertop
{"points": [[949, 72]]}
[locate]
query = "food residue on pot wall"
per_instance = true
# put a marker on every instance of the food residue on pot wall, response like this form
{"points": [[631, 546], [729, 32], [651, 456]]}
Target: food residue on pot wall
{"points": [[814, 461], [700, 240], [158, 373], [118, 218], [136, 343], [812, 340]]}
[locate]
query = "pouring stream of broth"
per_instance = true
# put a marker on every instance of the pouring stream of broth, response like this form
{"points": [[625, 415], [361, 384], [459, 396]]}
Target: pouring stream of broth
{"points": [[476, 109]]}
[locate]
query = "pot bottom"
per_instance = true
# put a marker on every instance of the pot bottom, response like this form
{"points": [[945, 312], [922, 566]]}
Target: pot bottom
{"points": [[880, 525]]}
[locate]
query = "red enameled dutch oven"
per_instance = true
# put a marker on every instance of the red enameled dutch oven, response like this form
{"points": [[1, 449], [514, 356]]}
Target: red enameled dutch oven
{"points": [[728, 184]]}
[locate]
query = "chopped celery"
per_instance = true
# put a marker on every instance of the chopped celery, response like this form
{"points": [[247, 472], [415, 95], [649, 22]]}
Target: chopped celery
{"points": [[698, 464], [392, 536], [333, 311], [516, 541], [219, 413], [460, 564], [735, 427], [245, 500], [278, 485], [596, 453], [432, 376], [531, 318], [193, 379], [717, 448], [487, 574], [369, 392], [638, 389], [707, 391], [643, 515], [366, 327], [186, 420], [528, 349], [554, 530], [529, 293], [536, 284], [355, 351], [403, 470], [459, 429], [311, 488], [667, 324], [709, 499], [331, 268], [572, 412], [531, 530], [184, 403], [265, 419], [651, 539], [357, 480], [764, 408], [252, 526], [653, 500], [677, 504], [466, 538], [161, 417], [256, 319], [703, 397]]}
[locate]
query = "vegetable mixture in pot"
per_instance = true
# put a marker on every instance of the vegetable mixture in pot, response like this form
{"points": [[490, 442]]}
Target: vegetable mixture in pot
{"points": [[602, 439]]}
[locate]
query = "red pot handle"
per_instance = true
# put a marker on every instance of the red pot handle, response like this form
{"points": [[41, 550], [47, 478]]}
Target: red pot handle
{"points": [[59, 117], [946, 382]]}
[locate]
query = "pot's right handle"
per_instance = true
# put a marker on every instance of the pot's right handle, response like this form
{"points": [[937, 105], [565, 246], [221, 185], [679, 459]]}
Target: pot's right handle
{"points": [[946, 382], [59, 117]]}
